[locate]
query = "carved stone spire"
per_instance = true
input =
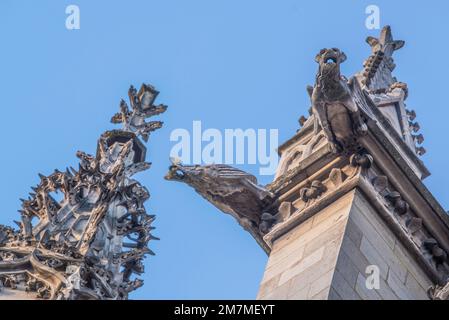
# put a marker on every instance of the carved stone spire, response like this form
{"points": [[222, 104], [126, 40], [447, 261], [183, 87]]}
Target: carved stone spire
{"points": [[89, 244]]}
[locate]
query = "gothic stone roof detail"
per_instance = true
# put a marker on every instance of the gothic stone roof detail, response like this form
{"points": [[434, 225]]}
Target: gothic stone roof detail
{"points": [[90, 242]]}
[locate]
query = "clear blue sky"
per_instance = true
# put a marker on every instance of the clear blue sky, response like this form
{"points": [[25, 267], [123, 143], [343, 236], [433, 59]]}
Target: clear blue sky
{"points": [[230, 64]]}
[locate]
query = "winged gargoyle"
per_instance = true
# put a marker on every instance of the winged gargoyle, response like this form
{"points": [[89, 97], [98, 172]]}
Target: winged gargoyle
{"points": [[332, 103], [229, 189]]}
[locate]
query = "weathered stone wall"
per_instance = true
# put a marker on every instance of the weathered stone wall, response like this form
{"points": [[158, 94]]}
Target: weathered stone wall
{"points": [[368, 241], [302, 262]]}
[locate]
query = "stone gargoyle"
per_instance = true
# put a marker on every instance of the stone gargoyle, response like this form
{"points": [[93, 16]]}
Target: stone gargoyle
{"points": [[333, 105], [229, 189]]}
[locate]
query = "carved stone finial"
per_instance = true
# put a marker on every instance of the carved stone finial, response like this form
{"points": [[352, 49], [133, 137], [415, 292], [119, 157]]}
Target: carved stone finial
{"points": [[141, 108], [76, 248], [380, 64], [385, 42]]}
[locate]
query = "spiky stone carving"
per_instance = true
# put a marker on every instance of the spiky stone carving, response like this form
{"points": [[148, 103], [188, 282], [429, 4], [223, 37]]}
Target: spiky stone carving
{"points": [[91, 243]]}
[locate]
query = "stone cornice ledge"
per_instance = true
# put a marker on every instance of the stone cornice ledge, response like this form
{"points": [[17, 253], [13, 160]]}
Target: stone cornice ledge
{"points": [[317, 159], [299, 216], [360, 183], [408, 185]]}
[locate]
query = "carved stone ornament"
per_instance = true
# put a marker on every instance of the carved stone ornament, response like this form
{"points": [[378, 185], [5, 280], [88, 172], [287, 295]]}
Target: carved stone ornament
{"points": [[315, 190], [231, 190], [333, 105], [90, 244]]}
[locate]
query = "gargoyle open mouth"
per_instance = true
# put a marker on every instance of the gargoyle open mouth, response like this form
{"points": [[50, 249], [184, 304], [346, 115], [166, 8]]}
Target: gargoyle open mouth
{"points": [[330, 60], [175, 173]]}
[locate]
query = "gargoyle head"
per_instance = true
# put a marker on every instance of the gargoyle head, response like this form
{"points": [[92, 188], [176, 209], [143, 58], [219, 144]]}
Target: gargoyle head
{"points": [[329, 61], [182, 173], [204, 179], [200, 176]]}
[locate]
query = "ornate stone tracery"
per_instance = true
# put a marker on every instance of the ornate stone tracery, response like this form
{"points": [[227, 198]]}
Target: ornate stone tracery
{"points": [[91, 243]]}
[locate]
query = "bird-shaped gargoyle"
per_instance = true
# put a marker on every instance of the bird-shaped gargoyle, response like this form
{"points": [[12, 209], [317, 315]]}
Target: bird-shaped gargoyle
{"points": [[229, 189], [333, 105]]}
